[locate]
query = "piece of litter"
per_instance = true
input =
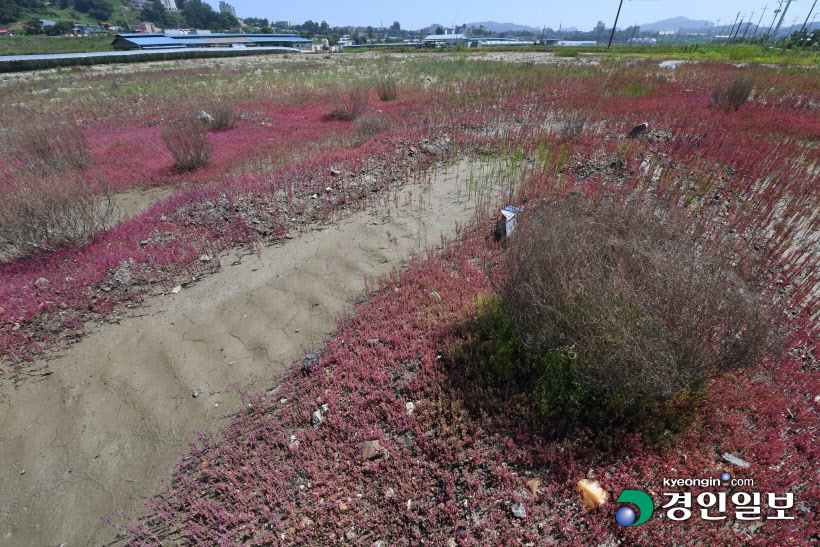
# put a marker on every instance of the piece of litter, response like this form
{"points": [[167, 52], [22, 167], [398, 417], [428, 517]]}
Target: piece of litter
{"points": [[592, 494], [731, 458]]}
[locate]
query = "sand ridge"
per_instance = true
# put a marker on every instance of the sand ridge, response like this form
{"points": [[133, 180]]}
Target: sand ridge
{"points": [[108, 425]]}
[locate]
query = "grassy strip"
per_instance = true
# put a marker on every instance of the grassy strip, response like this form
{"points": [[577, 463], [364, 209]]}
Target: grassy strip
{"points": [[40, 64], [29, 45], [730, 54]]}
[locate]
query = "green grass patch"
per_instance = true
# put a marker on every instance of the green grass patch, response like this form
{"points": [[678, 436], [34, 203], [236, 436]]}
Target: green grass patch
{"points": [[29, 45]]}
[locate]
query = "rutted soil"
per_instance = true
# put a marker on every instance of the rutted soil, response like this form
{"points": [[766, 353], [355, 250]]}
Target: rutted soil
{"points": [[107, 426]]}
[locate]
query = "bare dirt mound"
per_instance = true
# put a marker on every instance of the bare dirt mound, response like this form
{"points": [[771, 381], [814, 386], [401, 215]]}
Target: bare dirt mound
{"points": [[108, 425]]}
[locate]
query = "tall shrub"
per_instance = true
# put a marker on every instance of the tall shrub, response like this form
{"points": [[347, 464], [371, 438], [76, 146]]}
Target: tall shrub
{"points": [[188, 143], [623, 309]]}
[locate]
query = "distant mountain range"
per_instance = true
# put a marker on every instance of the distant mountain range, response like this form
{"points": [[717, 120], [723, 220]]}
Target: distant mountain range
{"points": [[492, 26], [503, 27], [677, 23]]}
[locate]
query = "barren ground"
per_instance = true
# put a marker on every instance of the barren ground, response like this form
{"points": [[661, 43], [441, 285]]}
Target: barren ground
{"points": [[108, 425]]}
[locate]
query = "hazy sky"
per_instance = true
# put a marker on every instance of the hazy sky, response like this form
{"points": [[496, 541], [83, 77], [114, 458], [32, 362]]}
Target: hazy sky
{"points": [[584, 14]]}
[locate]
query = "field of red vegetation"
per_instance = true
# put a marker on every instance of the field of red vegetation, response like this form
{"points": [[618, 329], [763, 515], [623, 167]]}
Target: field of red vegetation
{"points": [[455, 457]]}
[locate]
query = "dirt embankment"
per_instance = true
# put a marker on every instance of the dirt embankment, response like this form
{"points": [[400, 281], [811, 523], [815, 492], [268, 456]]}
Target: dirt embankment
{"points": [[108, 425]]}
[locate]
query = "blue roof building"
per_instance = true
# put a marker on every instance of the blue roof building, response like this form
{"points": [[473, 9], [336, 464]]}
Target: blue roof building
{"points": [[164, 41]]}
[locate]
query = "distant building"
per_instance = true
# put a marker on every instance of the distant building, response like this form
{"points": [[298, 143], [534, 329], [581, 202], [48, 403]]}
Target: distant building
{"points": [[48, 22], [449, 40], [144, 28], [174, 41], [169, 4], [667, 32], [225, 7], [283, 24], [600, 27]]}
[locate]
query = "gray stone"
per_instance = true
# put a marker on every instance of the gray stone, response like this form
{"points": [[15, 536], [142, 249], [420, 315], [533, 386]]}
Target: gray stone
{"points": [[389, 493], [317, 419], [518, 510]]}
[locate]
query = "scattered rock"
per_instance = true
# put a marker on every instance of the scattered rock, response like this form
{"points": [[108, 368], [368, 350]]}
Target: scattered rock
{"points": [[316, 419], [410, 406], [196, 393], [389, 493], [350, 535], [343, 507], [272, 392], [293, 441], [370, 450], [334, 173], [592, 494], [42, 283], [637, 131], [451, 542], [310, 362], [660, 135], [23, 472], [204, 258], [123, 275], [176, 289], [731, 458], [518, 510], [372, 341]]}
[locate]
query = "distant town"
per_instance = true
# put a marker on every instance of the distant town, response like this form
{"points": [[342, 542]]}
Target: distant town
{"points": [[173, 19]]}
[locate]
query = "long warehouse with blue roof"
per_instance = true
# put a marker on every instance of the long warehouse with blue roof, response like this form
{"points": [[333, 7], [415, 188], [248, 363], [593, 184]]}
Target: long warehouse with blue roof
{"points": [[164, 41]]}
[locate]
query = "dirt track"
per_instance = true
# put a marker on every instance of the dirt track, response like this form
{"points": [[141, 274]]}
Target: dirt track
{"points": [[107, 426]]}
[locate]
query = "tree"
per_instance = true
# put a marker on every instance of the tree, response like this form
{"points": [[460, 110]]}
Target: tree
{"points": [[266, 30], [256, 22], [395, 26], [98, 9], [33, 26], [63, 4], [439, 30], [9, 12], [60, 28]]}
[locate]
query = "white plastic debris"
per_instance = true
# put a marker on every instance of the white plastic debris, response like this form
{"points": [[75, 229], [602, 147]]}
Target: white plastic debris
{"points": [[731, 458]]}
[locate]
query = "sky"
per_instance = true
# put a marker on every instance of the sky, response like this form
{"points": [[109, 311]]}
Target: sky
{"points": [[584, 14]]}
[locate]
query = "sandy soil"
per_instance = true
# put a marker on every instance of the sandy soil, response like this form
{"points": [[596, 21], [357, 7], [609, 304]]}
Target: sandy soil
{"points": [[107, 426]]}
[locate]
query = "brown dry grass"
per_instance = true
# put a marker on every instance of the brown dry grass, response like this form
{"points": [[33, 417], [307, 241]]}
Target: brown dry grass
{"points": [[649, 311]]}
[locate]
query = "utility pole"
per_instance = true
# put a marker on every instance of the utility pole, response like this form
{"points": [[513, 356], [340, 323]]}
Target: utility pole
{"points": [[769, 32], [733, 27], [743, 38], [736, 31], [635, 27], [807, 17], [783, 16], [611, 36], [761, 19]]}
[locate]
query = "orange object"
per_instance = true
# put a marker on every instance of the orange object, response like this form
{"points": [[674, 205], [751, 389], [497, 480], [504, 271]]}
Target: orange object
{"points": [[592, 494]]}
